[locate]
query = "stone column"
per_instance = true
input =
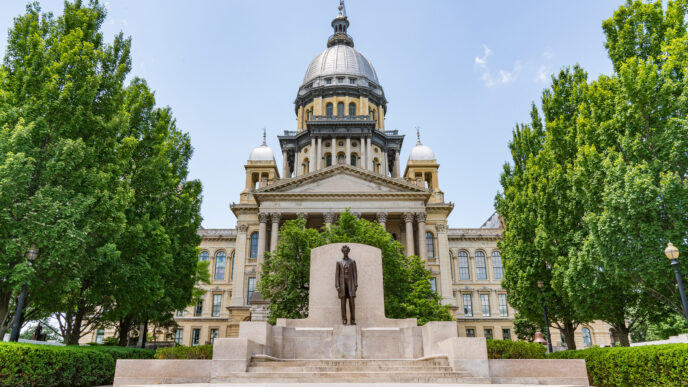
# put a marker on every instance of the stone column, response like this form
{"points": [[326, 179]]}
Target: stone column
{"points": [[311, 164], [285, 165], [396, 164], [445, 265], [348, 151], [319, 156], [329, 218], [239, 263], [382, 219], [408, 218], [333, 150], [297, 162], [262, 230], [275, 217], [369, 154], [422, 249], [363, 153]]}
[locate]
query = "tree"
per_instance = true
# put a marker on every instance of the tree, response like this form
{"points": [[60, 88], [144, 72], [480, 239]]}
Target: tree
{"points": [[406, 281], [525, 330]]}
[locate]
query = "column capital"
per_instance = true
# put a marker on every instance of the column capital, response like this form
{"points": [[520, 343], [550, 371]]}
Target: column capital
{"points": [[381, 217], [242, 228], [302, 215], [421, 217], [408, 217], [329, 217], [442, 228], [356, 214], [275, 217], [263, 217]]}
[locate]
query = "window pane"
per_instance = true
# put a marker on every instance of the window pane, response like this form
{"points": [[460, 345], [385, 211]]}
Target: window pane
{"points": [[217, 303], [196, 336], [480, 265], [214, 333], [220, 259], [503, 307], [204, 256], [467, 305], [328, 160], [199, 308], [353, 160], [231, 273], [329, 110], [587, 340], [506, 334], [251, 287], [464, 272], [470, 332], [433, 284], [352, 109], [180, 313], [430, 244], [485, 304], [254, 246], [488, 333], [497, 265], [178, 335], [100, 335], [340, 109]]}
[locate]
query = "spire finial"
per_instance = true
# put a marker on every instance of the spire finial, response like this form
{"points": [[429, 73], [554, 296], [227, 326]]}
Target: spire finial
{"points": [[264, 143], [418, 135], [342, 8]]}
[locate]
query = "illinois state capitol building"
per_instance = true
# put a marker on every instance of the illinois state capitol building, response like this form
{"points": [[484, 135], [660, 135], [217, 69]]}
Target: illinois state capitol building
{"points": [[341, 156]]}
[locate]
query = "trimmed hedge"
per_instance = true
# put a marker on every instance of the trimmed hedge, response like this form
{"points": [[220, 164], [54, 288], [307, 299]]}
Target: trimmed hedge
{"points": [[507, 349], [651, 365], [183, 352], [48, 365]]}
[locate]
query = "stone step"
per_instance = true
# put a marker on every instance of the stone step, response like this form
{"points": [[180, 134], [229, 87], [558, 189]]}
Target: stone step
{"points": [[349, 378], [347, 363], [348, 368]]}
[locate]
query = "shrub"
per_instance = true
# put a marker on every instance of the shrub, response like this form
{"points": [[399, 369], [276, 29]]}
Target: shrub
{"points": [[46, 365], [182, 352], [507, 349], [652, 365]]}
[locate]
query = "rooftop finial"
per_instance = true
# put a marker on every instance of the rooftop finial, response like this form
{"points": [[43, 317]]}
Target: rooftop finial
{"points": [[342, 8], [340, 24], [418, 134], [264, 143]]}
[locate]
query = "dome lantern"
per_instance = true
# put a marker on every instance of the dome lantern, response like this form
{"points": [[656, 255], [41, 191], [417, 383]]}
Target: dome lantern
{"points": [[421, 152], [262, 152]]}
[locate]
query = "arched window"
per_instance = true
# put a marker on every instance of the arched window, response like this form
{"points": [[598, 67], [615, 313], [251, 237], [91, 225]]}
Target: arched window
{"points": [[353, 160], [341, 158], [464, 272], [328, 159], [220, 262], [340, 109], [328, 110], [254, 246], [204, 256], [587, 339], [497, 268], [430, 244], [231, 273], [480, 266], [352, 109]]}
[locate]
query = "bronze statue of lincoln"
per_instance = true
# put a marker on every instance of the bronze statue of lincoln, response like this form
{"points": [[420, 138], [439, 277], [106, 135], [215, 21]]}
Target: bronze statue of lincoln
{"points": [[346, 282]]}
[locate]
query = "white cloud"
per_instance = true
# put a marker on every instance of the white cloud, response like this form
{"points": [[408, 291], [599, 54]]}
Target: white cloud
{"points": [[548, 54], [542, 74], [482, 62], [501, 77]]}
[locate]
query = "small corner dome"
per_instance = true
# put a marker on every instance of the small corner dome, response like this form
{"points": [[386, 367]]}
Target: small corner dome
{"points": [[262, 153], [421, 152]]}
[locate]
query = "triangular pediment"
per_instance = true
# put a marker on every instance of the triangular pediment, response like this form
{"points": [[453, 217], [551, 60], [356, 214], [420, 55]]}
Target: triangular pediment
{"points": [[342, 179]]}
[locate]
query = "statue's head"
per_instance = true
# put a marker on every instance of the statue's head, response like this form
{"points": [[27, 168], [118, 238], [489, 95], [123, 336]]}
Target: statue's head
{"points": [[345, 249]]}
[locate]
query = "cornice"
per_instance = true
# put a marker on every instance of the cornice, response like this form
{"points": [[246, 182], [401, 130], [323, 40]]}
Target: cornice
{"points": [[491, 234]]}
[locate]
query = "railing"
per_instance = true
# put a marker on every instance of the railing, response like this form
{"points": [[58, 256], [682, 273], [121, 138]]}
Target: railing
{"points": [[340, 118]]}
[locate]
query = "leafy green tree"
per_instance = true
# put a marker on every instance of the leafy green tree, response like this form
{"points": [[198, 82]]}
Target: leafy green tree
{"points": [[406, 281], [525, 330]]}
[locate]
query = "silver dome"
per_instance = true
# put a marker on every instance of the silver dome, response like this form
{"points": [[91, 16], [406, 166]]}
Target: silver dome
{"points": [[421, 152], [340, 59], [262, 153]]}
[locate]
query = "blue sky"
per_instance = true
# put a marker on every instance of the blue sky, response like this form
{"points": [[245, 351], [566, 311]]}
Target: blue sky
{"points": [[464, 71]]}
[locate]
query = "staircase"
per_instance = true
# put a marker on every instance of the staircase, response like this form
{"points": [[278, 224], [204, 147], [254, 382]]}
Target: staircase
{"points": [[265, 369]]}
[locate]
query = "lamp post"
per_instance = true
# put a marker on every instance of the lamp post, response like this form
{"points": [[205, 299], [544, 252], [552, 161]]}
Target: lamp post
{"points": [[31, 255], [672, 253], [541, 285]]}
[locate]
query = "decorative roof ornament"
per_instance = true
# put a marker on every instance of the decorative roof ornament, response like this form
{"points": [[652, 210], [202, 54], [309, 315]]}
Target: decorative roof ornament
{"points": [[264, 142], [421, 152], [262, 152], [342, 8], [418, 135]]}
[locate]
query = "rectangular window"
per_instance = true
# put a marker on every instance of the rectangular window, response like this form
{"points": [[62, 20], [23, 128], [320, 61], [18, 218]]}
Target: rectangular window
{"points": [[430, 245], [433, 284], [485, 304], [196, 336], [503, 307], [470, 332], [231, 273], [506, 333], [340, 80], [467, 305], [178, 335], [328, 81], [199, 309], [251, 288], [497, 267], [464, 273], [100, 335], [180, 313], [352, 81], [488, 333], [214, 334], [220, 263], [217, 303], [480, 265]]}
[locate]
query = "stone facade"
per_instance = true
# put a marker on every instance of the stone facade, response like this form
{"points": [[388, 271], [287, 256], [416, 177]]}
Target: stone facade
{"points": [[341, 157]]}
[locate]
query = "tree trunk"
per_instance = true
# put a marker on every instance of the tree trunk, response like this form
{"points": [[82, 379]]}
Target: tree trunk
{"points": [[124, 328], [144, 333], [622, 332], [570, 335], [74, 330], [5, 319]]}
